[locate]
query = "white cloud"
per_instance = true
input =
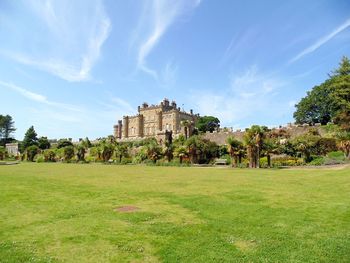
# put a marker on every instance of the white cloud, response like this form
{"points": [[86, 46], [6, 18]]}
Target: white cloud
{"points": [[38, 97], [323, 40], [163, 14], [73, 34], [248, 94]]}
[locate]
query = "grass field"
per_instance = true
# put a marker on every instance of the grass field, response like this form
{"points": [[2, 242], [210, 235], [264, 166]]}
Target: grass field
{"points": [[68, 212]]}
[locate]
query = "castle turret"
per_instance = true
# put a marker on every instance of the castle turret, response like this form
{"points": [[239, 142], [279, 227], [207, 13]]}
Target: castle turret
{"points": [[140, 125], [125, 126], [159, 120]]}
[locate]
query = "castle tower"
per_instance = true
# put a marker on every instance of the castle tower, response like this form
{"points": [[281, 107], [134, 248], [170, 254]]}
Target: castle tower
{"points": [[159, 120], [140, 125], [120, 129], [126, 126]]}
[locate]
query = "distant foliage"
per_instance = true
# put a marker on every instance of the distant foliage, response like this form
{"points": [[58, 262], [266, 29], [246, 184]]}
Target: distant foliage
{"points": [[64, 143], [30, 138], [207, 123], [7, 128], [31, 152], [329, 100], [68, 152]]}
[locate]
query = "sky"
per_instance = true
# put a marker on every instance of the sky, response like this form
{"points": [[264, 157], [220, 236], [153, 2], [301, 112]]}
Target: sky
{"points": [[73, 68]]}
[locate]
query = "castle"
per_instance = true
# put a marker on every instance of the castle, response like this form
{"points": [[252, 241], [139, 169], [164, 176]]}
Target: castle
{"points": [[156, 121]]}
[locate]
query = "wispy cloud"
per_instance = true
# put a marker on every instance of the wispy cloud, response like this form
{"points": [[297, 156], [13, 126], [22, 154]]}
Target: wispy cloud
{"points": [[321, 41], [74, 33], [38, 97], [163, 14], [248, 94]]}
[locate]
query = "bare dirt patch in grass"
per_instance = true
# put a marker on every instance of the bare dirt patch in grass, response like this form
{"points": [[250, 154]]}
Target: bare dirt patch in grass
{"points": [[127, 209], [245, 245]]}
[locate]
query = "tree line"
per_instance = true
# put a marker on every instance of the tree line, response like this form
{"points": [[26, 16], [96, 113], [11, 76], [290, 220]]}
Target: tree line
{"points": [[327, 103]]}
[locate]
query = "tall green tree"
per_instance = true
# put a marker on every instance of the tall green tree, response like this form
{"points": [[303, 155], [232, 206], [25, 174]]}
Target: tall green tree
{"points": [[30, 138], [7, 128], [207, 123], [253, 140], [316, 107], [43, 143], [234, 147], [329, 100], [121, 151]]}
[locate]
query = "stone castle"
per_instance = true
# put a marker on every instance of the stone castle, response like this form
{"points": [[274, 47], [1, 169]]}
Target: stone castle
{"points": [[156, 121]]}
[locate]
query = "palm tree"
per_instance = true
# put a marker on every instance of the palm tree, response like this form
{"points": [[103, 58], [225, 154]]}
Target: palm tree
{"points": [[194, 146], [253, 139], [181, 152], [270, 147], [154, 151], [234, 148], [121, 150], [344, 143], [106, 150]]}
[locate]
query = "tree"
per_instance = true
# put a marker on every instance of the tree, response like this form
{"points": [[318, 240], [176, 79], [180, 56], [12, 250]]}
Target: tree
{"points": [[82, 147], [168, 150], [43, 143], [234, 148], [316, 107], [153, 151], [207, 123], [32, 150], [270, 146], [49, 155], [2, 153], [306, 145], [30, 138], [121, 150], [6, 129], [64, 143], [193, 145], [253, 140], [344, 143], [106, 150], [329, 100], [68, 153], [181, 152]]}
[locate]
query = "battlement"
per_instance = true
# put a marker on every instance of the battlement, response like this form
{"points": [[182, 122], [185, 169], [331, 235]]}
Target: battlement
{"points": [[152, 120]]}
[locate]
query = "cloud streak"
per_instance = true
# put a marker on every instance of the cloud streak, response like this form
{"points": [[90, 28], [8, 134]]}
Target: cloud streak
{"points": [[38, 97], [251, 92], [164, 14], [73, 33], [323, 40]]}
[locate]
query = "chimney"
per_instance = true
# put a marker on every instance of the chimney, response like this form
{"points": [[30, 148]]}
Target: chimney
{"points": [[191, 111], [166, 102]]}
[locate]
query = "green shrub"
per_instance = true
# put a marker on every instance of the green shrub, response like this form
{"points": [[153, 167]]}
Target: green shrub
{"points": [[2, 153], [49, 155], [31, 152], [126, 161], [40, 158], [287, 161], [317, 161], [68, 153], [89, 159], [336, 155]]}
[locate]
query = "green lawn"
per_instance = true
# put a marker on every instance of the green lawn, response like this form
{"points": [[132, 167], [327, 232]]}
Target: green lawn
{"points": [[67, 212]]}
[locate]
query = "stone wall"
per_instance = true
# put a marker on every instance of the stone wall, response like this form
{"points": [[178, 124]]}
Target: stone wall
{"points": [[221, 136]]}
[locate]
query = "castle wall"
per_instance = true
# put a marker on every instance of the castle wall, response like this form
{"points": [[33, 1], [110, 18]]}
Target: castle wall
{"points": [[152, 121]]}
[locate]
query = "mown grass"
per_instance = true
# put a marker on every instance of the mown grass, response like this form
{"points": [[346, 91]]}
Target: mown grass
{"points": [[67, 212]]}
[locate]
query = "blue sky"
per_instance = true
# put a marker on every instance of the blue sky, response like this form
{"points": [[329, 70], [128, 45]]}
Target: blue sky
{"points": [[73, 68]]}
